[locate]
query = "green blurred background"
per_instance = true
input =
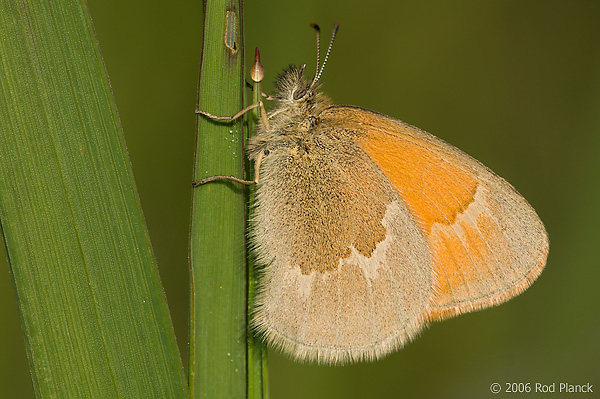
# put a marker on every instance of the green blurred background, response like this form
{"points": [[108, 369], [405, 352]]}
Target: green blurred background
{"points": [[514, 84]]}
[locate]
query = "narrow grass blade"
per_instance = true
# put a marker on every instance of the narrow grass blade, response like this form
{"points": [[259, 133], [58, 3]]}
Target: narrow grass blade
{"points": [[217, 363], [258, 387]]}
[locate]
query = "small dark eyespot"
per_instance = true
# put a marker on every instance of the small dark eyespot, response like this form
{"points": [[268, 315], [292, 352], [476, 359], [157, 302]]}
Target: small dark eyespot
{"points": [[266, 152]]}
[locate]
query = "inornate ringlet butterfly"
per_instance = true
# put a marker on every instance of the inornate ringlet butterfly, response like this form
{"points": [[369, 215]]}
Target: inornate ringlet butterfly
{"points": [[368, 228]]}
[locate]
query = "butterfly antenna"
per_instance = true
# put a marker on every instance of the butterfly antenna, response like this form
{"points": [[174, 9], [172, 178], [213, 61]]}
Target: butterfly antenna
{"points": [[318, 32], [318, 75]]}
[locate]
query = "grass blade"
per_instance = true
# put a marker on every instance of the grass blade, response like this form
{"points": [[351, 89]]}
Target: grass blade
{"points": [[93, 310], [217, 366], [258, 387]]}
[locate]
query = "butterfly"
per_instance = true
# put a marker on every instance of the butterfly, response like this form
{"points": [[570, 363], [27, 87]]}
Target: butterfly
{"points": [[368, 228]]}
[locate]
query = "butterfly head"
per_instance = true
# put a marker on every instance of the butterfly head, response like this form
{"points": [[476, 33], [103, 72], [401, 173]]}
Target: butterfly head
{"points": [[297, 97], [295, 116], [295, 93]]}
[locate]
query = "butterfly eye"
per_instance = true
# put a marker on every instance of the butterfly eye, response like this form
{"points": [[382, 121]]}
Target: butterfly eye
{"points": [[298, 94]]}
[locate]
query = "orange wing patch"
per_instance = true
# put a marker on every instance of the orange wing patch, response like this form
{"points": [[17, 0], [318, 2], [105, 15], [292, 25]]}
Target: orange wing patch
{"points": [[468, 258], [438, 194], [434, 190], [486, 243]]}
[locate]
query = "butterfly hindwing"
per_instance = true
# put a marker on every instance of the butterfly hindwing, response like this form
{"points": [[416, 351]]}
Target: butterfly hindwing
{"points": [[347, 270]]}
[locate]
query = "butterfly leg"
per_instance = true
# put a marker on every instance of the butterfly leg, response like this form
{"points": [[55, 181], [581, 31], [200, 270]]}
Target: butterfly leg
{"points": [[232, 178], [230, 118]]}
